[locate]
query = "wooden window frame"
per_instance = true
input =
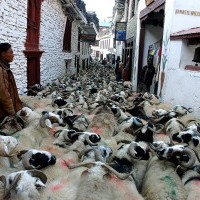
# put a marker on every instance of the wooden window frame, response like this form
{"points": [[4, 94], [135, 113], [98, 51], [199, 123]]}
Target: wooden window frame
{"points": [[67, 35]]}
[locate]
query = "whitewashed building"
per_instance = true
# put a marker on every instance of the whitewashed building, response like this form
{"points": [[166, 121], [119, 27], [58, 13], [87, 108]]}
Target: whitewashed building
{"points": [[46, 38], [169, 30]]}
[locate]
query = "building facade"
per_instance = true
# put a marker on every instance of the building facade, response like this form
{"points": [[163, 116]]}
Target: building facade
{"points": [[46, 38], [168, 30]]}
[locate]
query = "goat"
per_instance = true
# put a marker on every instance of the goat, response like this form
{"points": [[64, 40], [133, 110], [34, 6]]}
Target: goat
{"points": [[23, 185], [94, 184], [161, 182], [36, 159]]}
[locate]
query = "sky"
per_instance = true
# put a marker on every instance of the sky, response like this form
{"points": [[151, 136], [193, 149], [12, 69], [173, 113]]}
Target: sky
{"points": [[103, 8]]}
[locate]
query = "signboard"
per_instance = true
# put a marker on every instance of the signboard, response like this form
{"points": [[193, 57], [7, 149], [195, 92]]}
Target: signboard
{"points": [[87, 38], [120, 31]]}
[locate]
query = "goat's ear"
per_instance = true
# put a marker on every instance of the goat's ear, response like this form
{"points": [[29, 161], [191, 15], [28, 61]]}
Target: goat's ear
{"points": [[85, 173], [48, 123], [107, 176], [39, 184], [123, 109]]}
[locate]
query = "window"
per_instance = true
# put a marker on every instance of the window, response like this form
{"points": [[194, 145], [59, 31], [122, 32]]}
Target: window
{"points": [[67, 36]]}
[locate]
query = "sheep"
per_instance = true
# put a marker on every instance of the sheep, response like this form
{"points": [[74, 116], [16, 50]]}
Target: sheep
{"points": [[96, 183], [36, 159], [161, 182], [8, 145], [182, 110], [64, 137], [32, 135], [119, 114], [173, 126], [64, 112], [77, 122], [191, 181], [23, 185], [59, 101], [103, 122], [79, 141], [178, 154], [35, 103], [11, 125], [134, 155]]}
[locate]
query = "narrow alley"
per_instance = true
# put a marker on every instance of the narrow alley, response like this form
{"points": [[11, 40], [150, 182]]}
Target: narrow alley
{"points": [[99, 108]]}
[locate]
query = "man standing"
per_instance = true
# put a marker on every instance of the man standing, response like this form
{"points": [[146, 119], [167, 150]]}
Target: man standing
{"points": [[10, 102], [147, 75]]}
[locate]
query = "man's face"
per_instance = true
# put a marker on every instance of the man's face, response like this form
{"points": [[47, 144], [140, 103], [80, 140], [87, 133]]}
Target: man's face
{"points": [[8, 55]]}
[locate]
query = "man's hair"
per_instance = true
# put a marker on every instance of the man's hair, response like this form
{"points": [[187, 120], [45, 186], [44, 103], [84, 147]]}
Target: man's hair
{"points": [[4, 47]]}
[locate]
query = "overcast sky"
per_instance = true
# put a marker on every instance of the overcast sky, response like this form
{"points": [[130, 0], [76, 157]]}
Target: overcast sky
{"points": [[103, 8]]}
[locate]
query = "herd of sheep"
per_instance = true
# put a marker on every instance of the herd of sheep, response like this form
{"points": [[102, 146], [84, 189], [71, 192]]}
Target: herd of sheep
{"points": [[88, 137]]}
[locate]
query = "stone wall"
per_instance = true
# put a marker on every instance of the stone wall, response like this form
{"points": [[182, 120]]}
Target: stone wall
{"points": [[13, 23], [53, 60]]}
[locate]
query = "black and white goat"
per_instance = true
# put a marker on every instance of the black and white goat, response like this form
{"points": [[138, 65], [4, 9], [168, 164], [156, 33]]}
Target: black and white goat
{"points": [[36, 159], [23, 185]]}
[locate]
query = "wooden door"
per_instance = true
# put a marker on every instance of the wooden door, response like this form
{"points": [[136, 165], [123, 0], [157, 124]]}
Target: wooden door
{"points": [[32, 51]]}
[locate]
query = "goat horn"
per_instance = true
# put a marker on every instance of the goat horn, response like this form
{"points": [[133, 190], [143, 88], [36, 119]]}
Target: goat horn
{"points": [[151, 129], [89, 141], [85, 152], [58, 131], [12, 186], [119, 175], [131, 149], [3, 122], [3, 180], [21, 153], [73, 166], [2, 133], [124, 141], [137, 130], [38, 174], [152, 146], [42, 120], [157, 120], [192, 159], [98, 156]]}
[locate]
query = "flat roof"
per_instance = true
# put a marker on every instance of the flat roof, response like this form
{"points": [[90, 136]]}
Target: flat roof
{"points": [[185, 34]]}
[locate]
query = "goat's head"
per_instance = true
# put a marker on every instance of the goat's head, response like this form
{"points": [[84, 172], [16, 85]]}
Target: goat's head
{"points": [[7, 145], [11, 125], [23, 184], [88, 138], [181, 110], [178, 154], [36, 159]]}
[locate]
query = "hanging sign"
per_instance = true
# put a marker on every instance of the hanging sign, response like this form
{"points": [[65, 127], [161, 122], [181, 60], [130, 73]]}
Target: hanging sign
{"points": [[120, 31]]}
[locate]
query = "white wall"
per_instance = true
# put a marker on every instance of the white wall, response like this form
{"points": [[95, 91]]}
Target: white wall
{"points": [[52, 29], [152, 35], [13, 24], [180, 86]]}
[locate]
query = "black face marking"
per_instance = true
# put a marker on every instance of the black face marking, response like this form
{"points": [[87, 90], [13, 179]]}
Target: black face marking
{"points": [[39, 160], [140, 151], [52, 160], [59, 112], [186, 138], [160, 153], [195, 141], [122, 165], [170, 150], [176, 138], [44, 112], [121, 147], [94, 138], [114, 110]]}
